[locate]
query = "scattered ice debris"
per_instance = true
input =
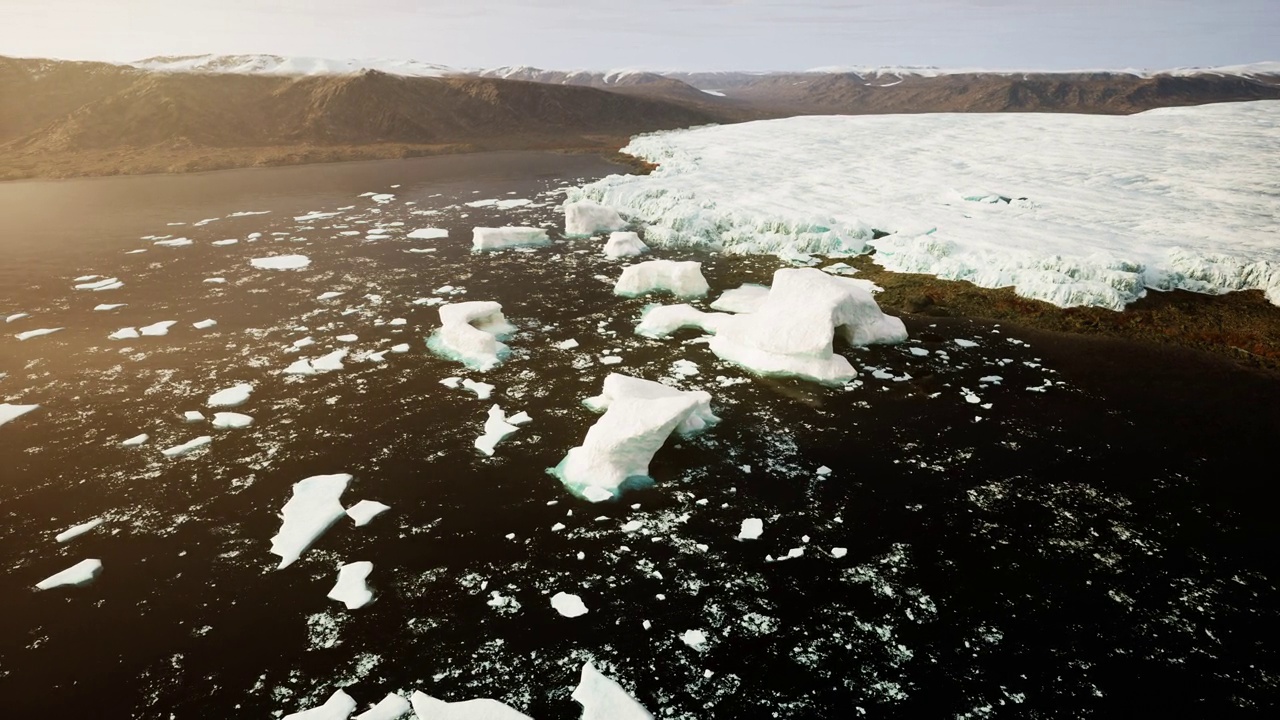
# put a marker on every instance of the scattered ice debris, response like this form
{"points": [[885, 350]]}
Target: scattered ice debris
{"points": [[12, 412], [176, 242], [339, 706], [225, 420], [37, 333], [365, 511], [470, 333], [426, 707], [603, 699], [752, 529], [77, 531], [567, 344], [428, 234], [135, 441], [193, 416], [624, 244], [586, 217], [352, 588], [496, 428], [401, 348], [314, 507], [507, 237], [791, 333], [187, 447], [105, 284], [105, 307], [695, 639], [680, 278], [82, 573], [638, 417], [329, 295], [281, 262], [570, 606], [839, 552], [391, 707], [204, 324], [966, 343], [232, 396], [481, 389]]}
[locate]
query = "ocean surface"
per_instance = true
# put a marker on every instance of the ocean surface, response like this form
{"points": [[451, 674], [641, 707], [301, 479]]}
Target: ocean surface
{"points": [[988, 522]]}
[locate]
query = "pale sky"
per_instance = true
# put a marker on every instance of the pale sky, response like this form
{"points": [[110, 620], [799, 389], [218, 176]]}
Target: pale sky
{"points": [[662, 34]]}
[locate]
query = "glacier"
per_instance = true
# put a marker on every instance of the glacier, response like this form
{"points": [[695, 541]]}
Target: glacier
{"points": [[1069, 209]]}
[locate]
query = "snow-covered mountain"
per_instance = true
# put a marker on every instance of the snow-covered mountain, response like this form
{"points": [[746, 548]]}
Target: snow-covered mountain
{"points": [[929, 71], [280, 65]]}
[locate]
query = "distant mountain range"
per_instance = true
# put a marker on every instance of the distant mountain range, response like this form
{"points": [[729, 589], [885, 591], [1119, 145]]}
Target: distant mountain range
{"points": [[60, 118]]}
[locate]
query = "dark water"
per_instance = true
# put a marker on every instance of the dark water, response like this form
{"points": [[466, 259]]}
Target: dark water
{"points": [[1098, 546]]}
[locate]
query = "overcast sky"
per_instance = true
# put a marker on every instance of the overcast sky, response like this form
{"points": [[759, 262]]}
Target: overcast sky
{"points": [[662, 34]]}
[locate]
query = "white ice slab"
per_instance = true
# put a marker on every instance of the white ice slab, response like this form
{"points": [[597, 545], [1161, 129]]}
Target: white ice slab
{"points": [[9, 411], [587, 217], [281, 262], [157, 329], [176, 242], [752, 529], [314, 507], [507, 237], [204, 324], [426, 707], [77, 530], [106, 307], [37, 333], [471, 333], [570, 606], [104, 284], [603, 699], [391, 707], [352, 588], [496, 428], [231, 397], [624, 244], [225, 420], [365, 511], [187, 447], [136, 440], [428, 234], [339, 706], [680, 278], [82, 573]]}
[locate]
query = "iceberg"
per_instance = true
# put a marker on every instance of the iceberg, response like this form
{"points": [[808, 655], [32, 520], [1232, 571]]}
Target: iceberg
{"points": [[77, 531], [313, 509], [128, 333], [366, 510], [37, 333], [9, 411], [682, 279], [570, 606], [187, 447], [752, 529], [281, 262], [624, 244], [352, 588], [603, 699], [136, 440], [429, 708], [204, 324], [659, 321], [507, 237], [157, 329], [224, 420], [496, 428], [638, 417], [339, 706], [105, 284], [428, 234], [82, 573], [391, 707], [585, 218], [470, 332], [232, 396]]}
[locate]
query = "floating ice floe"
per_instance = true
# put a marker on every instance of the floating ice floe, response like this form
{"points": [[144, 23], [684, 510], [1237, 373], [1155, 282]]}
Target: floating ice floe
{"points": [[77, 530], [105, 307], [176, 242], [314, 508], [366, 510], [204, 324], [604, 699], [339, 706], [9, 411], [624, 244], [347, 338], [470, 333], [659, 321], [391, 707], [497, 427], [567, 344], [105, 284], [228, 241], [695, 639], [587, 217], [232, 396], [135, 441], [128, 333], [507, 237], [428, 234], [401, 348], [157, 329], [82, 573], [225, 420], [744, 299], [1070, 209], [281, 262], [427, 707], [187, 447], [329, 295], [352, 588], [193, 416], [680, 278], [752, 529], [638, 417], [570, 606], [37, 333], [16, 317]]}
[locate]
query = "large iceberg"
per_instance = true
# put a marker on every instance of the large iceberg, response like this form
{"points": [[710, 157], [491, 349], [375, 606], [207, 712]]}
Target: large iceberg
{"points": [[313, 509], [603, 699], [1070, 209], [680, 278], [585, 218], [429, 708], [470, 333], [638, 417], [507, 237]]}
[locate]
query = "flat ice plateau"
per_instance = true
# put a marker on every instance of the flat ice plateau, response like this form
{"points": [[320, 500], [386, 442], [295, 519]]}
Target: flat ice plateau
{"points": [[1070, 209]]}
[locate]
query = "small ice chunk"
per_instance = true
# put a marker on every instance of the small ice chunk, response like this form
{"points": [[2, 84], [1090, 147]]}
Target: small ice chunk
{"points": [[567, 344], [398, 322], [352, 588], [222, 243], [105, 307], [339, 706], [695, 639], [224, 420], [391, 707], [966, 343], [104, 284], [401, 348], [839, 552], [520, 418], [135, 441], [507, 237], [12, 412], [587, 217], [496, 428], [176, 242], [823, 471], [991, 379], [570, 606], [365, 511], [37, 333], [16, 317], [682, 279], [193, 416], [187, 447], [157, 329], [426, 707], [77, 531], [428, 234], [660, 321], [752, 529], [918, 351], [482, 390], [348, 338], [603, 699], [232, 396], [471, 333], [300, 367], [281, 262], [451, 382], [204, 324], [330, 362], [216, 280], [329, 295], [304, 342], [314, 507], [624, 244], [82, 573]]}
